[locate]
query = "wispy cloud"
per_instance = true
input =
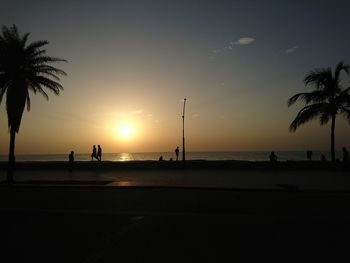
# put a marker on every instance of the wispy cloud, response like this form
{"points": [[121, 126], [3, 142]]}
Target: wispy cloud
{"points": [[292, 49], [244, 41], [195, 115], [239, 42]]}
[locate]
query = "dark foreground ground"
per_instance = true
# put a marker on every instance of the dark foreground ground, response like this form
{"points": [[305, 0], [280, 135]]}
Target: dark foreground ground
{"points": [[159, 224]]}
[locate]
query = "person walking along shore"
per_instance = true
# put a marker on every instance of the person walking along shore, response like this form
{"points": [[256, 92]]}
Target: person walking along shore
{"points": [[99, 153], [94, 153]]}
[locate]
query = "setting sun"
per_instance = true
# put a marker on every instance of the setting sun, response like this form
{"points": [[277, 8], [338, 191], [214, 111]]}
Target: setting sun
{"points": [[124, 132]]}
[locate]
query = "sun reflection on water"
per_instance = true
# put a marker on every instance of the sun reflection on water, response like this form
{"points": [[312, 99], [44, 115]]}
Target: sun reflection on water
{"points": [[125, 157]]}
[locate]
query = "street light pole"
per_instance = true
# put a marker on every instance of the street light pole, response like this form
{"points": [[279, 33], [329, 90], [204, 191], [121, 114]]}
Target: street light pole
{"points": [[183, 132]]}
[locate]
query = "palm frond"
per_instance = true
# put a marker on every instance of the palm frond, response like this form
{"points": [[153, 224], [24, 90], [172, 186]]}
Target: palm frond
{"points": [[46, 59], [319, 78], [325, 117], [10, 34], [44, 69], [36, 87], [3, 89], [35, 46], [24, 40], [47, 74], [345, 112], [292, 100], [48, 83], [314, 96], [307, 114], [28, 103], [343, 98], [341, 66], [35, 54]]}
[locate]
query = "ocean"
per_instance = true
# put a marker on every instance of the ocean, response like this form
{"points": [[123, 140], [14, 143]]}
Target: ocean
{"points": [[210, 156]]}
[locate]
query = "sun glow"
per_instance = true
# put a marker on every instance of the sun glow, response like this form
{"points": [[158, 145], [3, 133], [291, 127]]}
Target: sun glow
{"points": [[124, 132]]}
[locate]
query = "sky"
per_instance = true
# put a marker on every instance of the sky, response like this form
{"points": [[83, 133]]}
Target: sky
{"points": [[131, 64]]}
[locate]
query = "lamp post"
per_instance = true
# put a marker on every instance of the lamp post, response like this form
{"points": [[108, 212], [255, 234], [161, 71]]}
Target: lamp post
{"points": [[183, 132]]}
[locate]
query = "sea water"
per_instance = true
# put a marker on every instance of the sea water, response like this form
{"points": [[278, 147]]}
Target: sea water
{"points": [[210, 156]]}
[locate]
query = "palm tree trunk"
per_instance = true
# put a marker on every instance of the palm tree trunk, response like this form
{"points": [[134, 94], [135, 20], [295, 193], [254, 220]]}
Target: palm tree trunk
{"points": [[11, 164], [332, 139]]}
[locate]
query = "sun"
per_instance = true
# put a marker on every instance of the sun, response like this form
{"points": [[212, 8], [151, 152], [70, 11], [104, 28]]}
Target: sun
{"points": [[124, 132]]}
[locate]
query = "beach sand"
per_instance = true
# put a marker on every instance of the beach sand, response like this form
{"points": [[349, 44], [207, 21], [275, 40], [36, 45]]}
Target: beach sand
{"points": [[205, 174]]}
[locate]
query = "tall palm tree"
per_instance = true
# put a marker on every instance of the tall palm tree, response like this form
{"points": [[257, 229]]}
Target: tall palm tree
{"points": [[326, 101], [24, 67]]}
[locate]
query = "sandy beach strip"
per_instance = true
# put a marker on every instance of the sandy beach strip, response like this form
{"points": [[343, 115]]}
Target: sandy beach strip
{"points": [[202, 174]]}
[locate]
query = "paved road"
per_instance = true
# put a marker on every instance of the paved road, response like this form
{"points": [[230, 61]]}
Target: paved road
{"points": [[133, 224]]}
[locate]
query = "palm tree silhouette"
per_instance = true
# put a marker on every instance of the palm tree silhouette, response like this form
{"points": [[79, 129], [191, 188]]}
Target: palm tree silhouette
{"points": [[23, 68], [327, 100]]}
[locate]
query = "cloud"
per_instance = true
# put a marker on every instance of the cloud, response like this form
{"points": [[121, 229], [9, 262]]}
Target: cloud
{"points": [[195, 115], [292, 49], [244, 41]]}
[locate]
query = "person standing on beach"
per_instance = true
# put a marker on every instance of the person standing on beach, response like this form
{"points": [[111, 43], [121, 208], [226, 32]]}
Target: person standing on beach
{"points": [[177, 153], [309, 155], [71, 160], [273, 157], [94, 154], [99, 153]]}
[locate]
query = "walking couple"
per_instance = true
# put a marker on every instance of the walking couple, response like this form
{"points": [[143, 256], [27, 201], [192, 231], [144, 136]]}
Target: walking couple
{"points": [[96, 153]]}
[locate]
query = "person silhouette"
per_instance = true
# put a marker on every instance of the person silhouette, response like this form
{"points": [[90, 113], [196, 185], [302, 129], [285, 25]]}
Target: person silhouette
{"points": [[273, 157], [99, 153], [323, 158], [71, 160], [177, 153], [93, 154], [345, 155], [309, 155]]}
